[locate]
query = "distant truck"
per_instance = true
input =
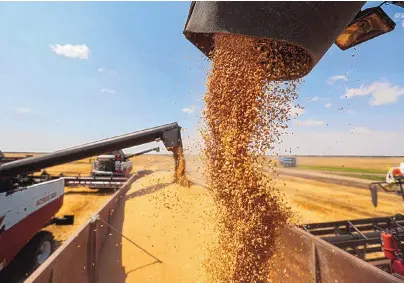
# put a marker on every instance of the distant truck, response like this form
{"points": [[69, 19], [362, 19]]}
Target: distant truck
{"points": [[287, 161]]}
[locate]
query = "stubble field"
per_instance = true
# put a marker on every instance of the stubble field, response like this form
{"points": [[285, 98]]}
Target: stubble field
{"points": [[175, 223]]}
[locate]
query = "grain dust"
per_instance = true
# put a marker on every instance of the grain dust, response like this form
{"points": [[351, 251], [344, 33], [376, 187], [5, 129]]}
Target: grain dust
{"points": [[246, 110]]}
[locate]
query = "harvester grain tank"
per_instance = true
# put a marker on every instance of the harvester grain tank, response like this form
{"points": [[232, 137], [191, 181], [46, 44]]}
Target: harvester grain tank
{"points": [[27, 204]]}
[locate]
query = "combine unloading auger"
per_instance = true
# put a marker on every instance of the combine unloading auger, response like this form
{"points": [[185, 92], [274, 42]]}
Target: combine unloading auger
{"points": [[29, 203], [156, 149], [17, 173]]}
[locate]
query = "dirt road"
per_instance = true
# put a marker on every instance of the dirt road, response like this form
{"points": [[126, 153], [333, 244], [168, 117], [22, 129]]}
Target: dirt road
{"points": [[324, 177]]}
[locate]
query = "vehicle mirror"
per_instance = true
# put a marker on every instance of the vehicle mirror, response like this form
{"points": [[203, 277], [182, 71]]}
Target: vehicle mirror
{"points": [[368, 24]]}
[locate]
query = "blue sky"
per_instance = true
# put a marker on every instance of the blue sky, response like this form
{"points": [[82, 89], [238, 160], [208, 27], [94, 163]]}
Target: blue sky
{"points": [[76, 72]]}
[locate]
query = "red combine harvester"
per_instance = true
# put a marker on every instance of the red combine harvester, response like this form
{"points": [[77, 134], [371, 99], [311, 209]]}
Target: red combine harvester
{"points": [[394, 183], [109, 171], [29, 203]]}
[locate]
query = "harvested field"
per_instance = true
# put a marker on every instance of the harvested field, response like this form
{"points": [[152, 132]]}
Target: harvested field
{"points": [[376, 163], [83, 201], [353, 171], [174, 223]]}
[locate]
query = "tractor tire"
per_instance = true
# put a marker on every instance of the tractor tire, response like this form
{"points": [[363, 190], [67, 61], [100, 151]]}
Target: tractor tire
{"points": [[38, 250], [35, 252]]}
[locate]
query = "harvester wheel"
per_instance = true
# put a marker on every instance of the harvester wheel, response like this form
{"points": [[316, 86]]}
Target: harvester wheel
{"points": [[38, 250]]}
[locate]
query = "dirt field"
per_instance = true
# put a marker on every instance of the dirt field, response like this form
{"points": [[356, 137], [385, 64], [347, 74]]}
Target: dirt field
{"points": [[378, 163]]}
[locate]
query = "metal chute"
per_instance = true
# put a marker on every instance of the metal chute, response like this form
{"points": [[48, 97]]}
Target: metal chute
{"points": [[312, 26], [17, 173]]}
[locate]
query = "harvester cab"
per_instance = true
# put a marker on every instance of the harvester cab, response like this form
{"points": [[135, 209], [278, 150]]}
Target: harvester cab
{"points": [[112, 164], [116, 164]]}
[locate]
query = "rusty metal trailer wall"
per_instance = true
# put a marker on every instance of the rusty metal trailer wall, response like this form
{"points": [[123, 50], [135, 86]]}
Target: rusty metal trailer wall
{"points": [[302, 257], [77, 259], [306, 258]]}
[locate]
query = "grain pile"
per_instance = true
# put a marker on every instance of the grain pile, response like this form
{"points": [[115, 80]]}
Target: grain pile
{"points": [[245, 110]]}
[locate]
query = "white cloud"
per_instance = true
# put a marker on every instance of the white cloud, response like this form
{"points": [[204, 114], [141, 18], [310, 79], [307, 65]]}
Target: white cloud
{"points": [[110, 91], [107, 71], [310, 123], [361, 130], [22, 110], [328, 105], [315, 98], [189, 110], [359, 141], [296, 110], [382, 92], [400, 18], [333, 79], [71, 51]]}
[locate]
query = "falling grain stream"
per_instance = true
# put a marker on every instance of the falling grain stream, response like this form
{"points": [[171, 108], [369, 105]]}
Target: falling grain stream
{"points": [[245, 109]]}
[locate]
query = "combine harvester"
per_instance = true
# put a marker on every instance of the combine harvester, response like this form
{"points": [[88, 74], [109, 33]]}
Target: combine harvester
{"points": [[109, 171], [304, 254], [29, 203], [394, 183]]}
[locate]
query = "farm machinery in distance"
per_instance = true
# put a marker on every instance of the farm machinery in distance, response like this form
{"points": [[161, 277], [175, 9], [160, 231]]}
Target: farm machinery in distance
{"points": [[109, 171], [394, 184], [378, 241], [29, 203]]}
